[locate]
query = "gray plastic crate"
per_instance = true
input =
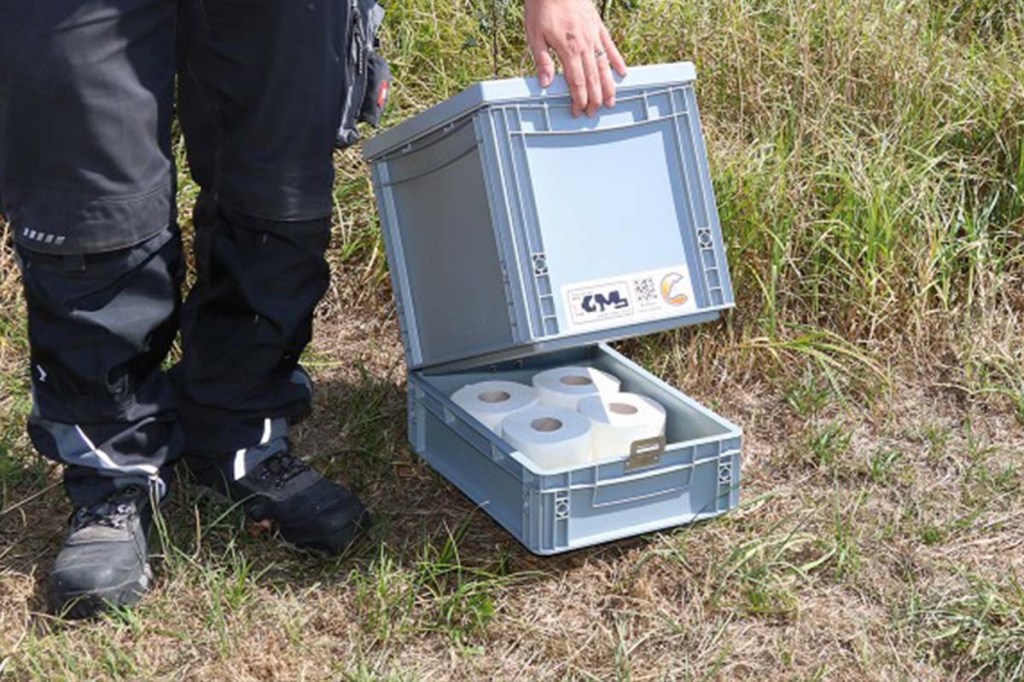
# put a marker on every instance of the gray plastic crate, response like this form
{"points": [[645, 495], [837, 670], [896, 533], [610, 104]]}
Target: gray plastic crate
{"points": [[514, 229], [697, 476], [520, 238]]}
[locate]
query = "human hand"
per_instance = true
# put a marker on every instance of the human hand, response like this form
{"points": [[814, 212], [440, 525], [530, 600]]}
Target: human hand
{"points": [[574, 30]]}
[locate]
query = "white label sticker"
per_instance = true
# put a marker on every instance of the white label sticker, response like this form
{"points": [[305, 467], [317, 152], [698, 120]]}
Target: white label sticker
{"points": [[629, 299]]}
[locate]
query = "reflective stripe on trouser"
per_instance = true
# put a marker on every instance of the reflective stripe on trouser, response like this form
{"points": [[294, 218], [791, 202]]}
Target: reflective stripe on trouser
{"points": [[99, 327], [115, 469], [272, 440]]}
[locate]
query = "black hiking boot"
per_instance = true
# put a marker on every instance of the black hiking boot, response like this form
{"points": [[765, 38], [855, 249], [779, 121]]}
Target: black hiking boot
{"points": [[104, 562], [310, 511]]}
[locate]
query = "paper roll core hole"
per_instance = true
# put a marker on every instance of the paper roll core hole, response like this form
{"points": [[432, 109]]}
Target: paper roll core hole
{"points": [[546, 424], [576, 380], [622, 408], [494, 396]]}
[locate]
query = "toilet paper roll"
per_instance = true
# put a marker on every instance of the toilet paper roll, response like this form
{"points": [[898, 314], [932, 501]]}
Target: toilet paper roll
{"points": [[491, 402], [552, 437], [566, 386], [617, 420]]}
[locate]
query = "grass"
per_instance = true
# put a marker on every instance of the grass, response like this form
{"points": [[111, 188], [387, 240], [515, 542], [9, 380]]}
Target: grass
{"points": [[976, 619], [868, 161]]}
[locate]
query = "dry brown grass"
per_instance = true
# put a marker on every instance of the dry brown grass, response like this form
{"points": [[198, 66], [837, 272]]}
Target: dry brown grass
{"points": [[841, 571]]}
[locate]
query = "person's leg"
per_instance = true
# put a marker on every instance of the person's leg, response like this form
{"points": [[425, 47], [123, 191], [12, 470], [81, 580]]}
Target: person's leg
{"points": [[245, 324], [260, 96], [86, 180], [99, 327], [86, 94]]}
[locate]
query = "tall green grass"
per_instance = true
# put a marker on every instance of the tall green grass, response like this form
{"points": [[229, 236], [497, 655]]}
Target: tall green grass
{"points": [[868, 155]]}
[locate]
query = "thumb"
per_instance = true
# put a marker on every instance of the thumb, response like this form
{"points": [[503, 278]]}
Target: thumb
{"points": [[542, 59]]}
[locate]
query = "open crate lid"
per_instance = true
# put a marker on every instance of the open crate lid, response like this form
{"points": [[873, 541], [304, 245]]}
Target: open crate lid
{"points": [[511, 90], [513, 228]]}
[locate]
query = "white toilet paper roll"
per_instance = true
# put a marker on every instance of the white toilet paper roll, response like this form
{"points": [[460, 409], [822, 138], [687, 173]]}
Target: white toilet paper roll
{"points": [[566, 386], [618, 420], [491, 402], [552, 437]]}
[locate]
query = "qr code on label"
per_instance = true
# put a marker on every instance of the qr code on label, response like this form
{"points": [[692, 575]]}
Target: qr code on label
{"points": [[645, 290]]}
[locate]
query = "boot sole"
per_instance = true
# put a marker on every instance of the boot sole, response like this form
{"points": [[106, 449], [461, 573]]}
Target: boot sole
{"points": [[360, 526], [357, 529]]}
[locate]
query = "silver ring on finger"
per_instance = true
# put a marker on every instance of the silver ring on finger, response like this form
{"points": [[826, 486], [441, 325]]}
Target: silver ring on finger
{"points": [[598, 53]]}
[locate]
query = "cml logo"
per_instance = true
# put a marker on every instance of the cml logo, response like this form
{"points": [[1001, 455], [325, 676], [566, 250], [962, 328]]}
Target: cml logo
{"points": [[604, 301], [593, 303]]}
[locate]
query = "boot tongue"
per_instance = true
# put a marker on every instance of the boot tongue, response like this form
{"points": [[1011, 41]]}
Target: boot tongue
{"points": [[114, 512], [288, 474], [282, 468]]}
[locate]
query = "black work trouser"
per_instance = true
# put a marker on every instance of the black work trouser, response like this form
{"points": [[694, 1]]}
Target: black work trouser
{"points": [[87, 182]]}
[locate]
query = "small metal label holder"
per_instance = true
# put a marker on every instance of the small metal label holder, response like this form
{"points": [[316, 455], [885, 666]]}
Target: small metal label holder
{"points": [[645, 453]]}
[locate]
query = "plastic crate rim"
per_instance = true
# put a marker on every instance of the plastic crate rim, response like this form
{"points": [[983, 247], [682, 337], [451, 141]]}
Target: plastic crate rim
{"points": [[510, 89]]}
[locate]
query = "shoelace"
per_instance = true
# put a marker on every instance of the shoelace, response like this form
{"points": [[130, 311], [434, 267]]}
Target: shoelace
{"points": [[281, 468], [113, 512]]}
